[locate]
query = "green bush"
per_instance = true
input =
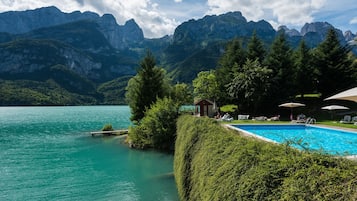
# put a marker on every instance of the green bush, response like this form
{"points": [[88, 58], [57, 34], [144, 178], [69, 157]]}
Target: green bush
{"points": [[228, 108], [213, 163], [158, 127], [107, 127]]}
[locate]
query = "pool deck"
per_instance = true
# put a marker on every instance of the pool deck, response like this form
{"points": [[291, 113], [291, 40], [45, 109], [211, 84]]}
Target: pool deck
{"points": [[337, 127]]}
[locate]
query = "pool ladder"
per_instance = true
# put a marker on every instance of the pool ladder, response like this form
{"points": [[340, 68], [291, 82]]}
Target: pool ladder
{"points": [[310, 120]]}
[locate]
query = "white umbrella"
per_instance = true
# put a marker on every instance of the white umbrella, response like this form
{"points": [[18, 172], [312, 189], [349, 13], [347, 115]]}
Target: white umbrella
{"points": [[334, 107], [291, 105], [350, 95]]}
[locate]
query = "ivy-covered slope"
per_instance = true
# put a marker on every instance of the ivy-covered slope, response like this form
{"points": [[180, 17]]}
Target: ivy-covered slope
{"points": [[213, 163]]}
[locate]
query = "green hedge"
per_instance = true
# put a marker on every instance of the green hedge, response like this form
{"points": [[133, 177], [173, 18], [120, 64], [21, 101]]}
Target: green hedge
{"points": [[214, 163]]}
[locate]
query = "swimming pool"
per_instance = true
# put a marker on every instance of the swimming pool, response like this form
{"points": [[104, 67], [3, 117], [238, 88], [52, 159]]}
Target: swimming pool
{"points": [[331, 141]]}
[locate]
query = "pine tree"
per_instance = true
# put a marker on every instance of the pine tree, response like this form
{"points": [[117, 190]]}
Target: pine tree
{"points": [[144, 88], [230, 63], [279, 60], [256, 49], [305, 74], [333, 64]]}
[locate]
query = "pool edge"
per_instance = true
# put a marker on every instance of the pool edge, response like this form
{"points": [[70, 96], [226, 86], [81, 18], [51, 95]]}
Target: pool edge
{"points": [[250, 134]]}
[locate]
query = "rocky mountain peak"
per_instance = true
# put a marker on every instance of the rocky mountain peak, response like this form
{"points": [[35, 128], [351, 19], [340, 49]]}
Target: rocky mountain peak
{"points": [[19, 22], [108, 20], [349, 35], [289, 32], [224, 26], [132, 31], [236, 16], [319, 27]]}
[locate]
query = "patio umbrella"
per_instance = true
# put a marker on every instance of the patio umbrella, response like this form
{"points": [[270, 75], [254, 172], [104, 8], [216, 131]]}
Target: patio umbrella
{"points": [[291, 105], [334, 107], [350, 95]]}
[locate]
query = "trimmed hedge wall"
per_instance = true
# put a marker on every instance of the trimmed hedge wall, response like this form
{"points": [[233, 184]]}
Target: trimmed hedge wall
{"points": [[214, 163]]}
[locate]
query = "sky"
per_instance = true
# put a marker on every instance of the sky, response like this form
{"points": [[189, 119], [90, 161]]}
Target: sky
{"points": [[158, 18]]}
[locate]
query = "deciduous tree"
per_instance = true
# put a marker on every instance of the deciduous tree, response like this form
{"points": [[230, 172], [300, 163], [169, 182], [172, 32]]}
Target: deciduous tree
{"points": [[182, 94], [206, 85], [158, 128], [250, 86]]}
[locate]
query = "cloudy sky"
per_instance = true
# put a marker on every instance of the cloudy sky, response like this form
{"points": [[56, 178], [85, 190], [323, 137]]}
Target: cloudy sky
{"points": [[160, 17]]}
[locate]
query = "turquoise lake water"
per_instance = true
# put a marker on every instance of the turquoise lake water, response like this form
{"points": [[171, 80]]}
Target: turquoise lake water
{"points": [[47, 153]]}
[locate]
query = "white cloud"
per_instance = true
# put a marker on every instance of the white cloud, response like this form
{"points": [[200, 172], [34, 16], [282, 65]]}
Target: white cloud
{"points": [[145, 13], [287, 12], [160, 17], [354, 21]]}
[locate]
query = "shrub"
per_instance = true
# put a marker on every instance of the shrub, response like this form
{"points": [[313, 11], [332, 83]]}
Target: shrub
{"points": [[228, 108], [158, 127], [213, 163], [107, 127]]}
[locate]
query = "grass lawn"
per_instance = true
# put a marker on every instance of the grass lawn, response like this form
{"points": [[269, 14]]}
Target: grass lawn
{"points": [[255, 122], [337, 124]]}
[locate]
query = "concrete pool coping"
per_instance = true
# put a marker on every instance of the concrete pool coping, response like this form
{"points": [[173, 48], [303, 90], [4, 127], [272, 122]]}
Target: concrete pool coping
{"points": [[250, 134]]}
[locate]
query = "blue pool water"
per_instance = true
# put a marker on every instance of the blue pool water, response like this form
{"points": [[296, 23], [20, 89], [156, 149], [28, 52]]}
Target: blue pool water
{"points": [[332, 141], [47, 153]]}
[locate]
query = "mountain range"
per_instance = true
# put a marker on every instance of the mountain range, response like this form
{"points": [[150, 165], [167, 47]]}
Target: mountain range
{"points": [[48, 57]]}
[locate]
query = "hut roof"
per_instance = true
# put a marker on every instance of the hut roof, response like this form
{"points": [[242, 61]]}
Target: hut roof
{"points": [[203, 102]]}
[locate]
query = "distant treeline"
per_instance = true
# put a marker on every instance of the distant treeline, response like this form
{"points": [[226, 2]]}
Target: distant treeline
{"points": [[258, 79]]}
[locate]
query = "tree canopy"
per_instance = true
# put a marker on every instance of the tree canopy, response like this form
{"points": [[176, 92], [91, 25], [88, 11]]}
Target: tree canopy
{"points": [[259, 80], [251, 85], [206, 85], [158, 127], [154, 104], [305, 74], [144, 88], [255, 49], [334, 67]]}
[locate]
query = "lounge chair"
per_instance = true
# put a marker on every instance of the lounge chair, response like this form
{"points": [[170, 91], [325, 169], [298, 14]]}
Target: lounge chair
{"points": [[243, 117], [354, 119], [226, 117], [301, 118], [274, 118], [260, 118], [346, 119]]}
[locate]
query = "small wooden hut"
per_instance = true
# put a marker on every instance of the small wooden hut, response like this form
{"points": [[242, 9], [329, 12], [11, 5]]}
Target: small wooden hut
{"points": [[205, 107]]}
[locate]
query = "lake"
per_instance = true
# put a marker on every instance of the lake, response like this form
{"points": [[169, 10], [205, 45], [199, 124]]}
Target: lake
{"points": [[47, 153]]}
